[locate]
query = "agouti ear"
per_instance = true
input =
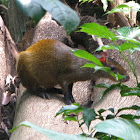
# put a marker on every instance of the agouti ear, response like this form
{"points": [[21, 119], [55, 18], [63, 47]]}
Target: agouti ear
{"points": [[103, 57]]}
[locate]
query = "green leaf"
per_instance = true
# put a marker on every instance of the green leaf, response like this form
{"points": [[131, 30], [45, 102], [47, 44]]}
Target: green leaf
{"points": [[101, 118], [126, 91], [129, 39], [83, 1], [124, 31], [111, 87], [59, 11], [110, 116], [129, 32], [32, 8], [99, 30], [101, 111], [129, 116], [134, 107], [52, 134], [96, 68], [111, 109], [88, 56], [103, 85], [106, 69], [134, 32], [126, 46], [121, 128], [89, 65], [132, 92], [119, 9], [107, 47], [88, 116], [103, 136], [70, 118], [74, 108]]}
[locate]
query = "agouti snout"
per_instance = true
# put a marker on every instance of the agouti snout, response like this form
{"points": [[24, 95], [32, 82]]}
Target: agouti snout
{"points": [[49, 62]]}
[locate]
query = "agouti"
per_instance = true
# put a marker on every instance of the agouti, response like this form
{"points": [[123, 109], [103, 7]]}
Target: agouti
{"points": [[49, 62]]}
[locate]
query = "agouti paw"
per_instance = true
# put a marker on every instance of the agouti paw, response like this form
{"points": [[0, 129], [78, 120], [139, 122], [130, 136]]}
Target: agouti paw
{"points": [[45, 95]]}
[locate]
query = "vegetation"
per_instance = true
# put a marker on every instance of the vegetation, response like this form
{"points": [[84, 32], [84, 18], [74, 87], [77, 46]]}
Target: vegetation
{"points": [[113, 126]]}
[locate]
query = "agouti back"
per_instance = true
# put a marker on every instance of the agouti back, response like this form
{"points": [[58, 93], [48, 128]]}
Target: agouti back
{"points": [[49, 62]]}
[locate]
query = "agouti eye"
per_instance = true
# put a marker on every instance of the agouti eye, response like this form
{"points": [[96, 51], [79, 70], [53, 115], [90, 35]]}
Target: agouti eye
{"points": [[112, 68]]}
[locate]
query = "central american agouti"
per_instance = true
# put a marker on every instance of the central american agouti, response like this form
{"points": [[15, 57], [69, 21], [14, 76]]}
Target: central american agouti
{"points": [[49, 62]]}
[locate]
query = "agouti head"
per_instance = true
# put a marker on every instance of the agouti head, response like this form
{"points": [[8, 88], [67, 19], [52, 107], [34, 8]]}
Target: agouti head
{"points": [[49, 62], [115, 67]]}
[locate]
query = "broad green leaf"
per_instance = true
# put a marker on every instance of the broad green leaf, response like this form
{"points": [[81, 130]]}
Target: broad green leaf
{"points": [[75, 108], [138, 112], [99, 30], [110, 116], [96, 68], [127, 7], [129, 116], [59, 11], [107, 47], [129, 32], [103, 85], [52, 134], [88, 116], [126, 91], [119, 76], [83, 1], [122, 128], [124, 31], [106, 69], [126, 46], [128, 39], [111, 109], [101, 111], [134, 32], [111, 87], [70, 118], [133, 5], [31, 8], [88, 56], [137, 121], [63, 14], [134, 107], [89, 65], [130, 93], [119, 9], [105, 4], [103, 136]]}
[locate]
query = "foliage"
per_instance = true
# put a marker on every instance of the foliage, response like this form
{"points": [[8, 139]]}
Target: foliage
{"points": [[130, 44], [4, 2], [126, 127], [51, 134], [59, 11], [122, 127]]}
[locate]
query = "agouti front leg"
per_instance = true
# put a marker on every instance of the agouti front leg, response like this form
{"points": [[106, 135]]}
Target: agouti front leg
{"points": [[67, 91]]}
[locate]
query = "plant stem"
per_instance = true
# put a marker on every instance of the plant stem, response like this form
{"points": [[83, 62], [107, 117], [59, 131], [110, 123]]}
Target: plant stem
{"points": [[130, 66], [133, 70], [79, 123]]}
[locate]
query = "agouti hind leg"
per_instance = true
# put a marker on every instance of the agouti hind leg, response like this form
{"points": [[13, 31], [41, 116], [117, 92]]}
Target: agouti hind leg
{"points": [[43, 93], [40, 92]]}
